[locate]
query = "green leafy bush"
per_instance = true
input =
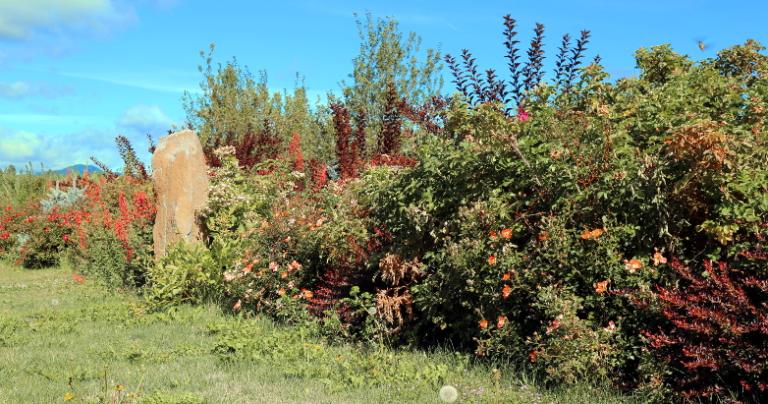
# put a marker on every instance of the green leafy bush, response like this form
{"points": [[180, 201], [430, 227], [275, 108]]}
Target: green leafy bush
{"points": [[187, 274]]}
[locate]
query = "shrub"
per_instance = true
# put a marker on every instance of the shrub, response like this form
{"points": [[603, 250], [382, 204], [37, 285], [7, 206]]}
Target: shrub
{"points": [[187, 274], [10, 220], [42, 238], [235, 109], [115, 231], [716, 333], [21, 187], [62, 199], [571, 349]]}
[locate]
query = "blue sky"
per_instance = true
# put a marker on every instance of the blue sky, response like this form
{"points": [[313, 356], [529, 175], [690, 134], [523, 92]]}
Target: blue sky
{"points": [[73, 74]]}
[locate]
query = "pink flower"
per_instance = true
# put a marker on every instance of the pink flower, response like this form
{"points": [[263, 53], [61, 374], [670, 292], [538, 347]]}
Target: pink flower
{"points": [[522, 115], [554, 325]]}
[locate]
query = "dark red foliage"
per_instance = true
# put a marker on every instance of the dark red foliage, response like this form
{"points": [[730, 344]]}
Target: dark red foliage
{"points": [[716, 335], [332, 286], [360, 136], [430, 116], [337, 280], [319, 174], [294, 150], [346, 153], [250, 149], [391, 128]]}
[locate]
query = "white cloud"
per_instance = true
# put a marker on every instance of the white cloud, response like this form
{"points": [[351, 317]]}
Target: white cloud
{"points": [[61, 150], [145, 119], [24, 19], [21, 89], [18, 145], [16, 89]]}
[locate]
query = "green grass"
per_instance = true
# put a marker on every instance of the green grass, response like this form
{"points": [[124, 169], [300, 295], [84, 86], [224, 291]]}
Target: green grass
{"points": [[62, 339]]}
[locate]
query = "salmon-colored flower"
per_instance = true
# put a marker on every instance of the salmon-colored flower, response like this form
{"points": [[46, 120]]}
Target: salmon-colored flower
{"points": [[483, 324], [307, 293], [248, 268], [554, 325], [633, 265], [592, 234], [543, 236], [493, 234], [601, 287], [78, 278], [281, 292], [533, 355], [659, 259], [500, 321], [492, 260], [237, 305], [507, 276], [506, 233], [506, 291], [283, 275], [294, 265]]}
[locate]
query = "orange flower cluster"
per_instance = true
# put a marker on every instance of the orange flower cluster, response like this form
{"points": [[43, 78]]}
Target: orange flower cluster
{"points": [[601, 287], [633, 265], [504, 233], [592, 234]]}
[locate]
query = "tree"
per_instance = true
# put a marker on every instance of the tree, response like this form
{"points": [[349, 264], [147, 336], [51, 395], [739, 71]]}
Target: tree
{"points": [[236, 109], [388, 60]]}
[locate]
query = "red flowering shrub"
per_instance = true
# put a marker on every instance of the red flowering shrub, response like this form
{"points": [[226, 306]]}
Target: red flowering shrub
{"points": [[45, 238], [113, 228], [716, 334], [10, 219]]}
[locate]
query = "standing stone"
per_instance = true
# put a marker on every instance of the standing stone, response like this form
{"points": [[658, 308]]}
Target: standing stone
{"points": [[180, 179]]}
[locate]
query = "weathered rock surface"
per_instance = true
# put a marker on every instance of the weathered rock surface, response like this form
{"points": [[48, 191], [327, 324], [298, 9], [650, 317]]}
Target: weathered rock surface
{"points": [[181, 186]]}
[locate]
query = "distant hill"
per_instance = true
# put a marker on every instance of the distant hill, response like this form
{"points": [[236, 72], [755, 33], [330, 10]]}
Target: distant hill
{"points": [[79, 169]]}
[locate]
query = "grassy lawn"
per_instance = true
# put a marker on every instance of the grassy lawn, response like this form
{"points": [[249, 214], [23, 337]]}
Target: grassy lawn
{"points": [[65, 341]]}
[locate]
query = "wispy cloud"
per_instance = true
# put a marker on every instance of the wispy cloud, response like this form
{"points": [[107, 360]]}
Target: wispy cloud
{"points": [[42, 119], [145, 119], [25, 19], [22, 89], [133, 82]]}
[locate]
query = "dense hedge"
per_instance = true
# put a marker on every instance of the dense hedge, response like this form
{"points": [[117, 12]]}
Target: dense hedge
{"points": [[568, 233]]}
